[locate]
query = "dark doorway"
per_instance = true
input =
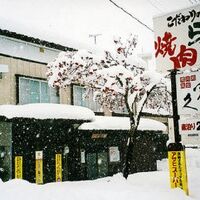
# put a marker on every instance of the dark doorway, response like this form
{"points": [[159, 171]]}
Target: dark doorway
{"points": [[97, 165]]}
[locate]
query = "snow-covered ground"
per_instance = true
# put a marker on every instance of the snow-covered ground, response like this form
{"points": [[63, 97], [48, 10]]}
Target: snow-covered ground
{"points": [[140, 186]]}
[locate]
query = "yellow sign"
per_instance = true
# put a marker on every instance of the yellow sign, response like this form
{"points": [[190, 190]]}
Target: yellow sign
{"points": [[58, 167], [18, 167], [39, 171], [177, 168]]}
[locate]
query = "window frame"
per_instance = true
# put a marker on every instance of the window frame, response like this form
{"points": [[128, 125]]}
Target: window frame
{"points": [[101, 113], [40, 80]]}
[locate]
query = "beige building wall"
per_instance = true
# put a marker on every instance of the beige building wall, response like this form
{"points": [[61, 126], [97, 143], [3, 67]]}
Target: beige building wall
{"points": [[8, 93]]}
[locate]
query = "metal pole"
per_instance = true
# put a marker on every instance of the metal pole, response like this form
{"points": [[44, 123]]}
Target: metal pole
{"points": [[95, 37], [176, 117]]}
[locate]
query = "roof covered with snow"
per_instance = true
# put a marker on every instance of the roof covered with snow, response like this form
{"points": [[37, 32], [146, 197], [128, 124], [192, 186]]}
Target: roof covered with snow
{"points": [[33, 40], [121, 123], [47, 111]]}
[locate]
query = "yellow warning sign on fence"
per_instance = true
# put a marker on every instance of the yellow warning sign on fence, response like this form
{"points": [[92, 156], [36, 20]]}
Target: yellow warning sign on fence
{"points": [[177, 169], [58, 162], [18, 167], [39, 167]]}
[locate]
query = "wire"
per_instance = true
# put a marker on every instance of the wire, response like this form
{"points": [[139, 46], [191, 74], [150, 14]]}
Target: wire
{"points": [[132, 16]]}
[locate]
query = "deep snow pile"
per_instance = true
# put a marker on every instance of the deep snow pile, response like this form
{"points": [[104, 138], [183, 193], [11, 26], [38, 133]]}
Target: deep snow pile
{"points": [[140, 186]]}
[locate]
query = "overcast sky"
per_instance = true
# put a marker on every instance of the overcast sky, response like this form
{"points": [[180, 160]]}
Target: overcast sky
{"points": [[70, 22]]}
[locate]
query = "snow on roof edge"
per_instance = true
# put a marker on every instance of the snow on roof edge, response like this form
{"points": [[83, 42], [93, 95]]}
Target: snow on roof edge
{"points": [[122, 123], [26, 38], [47, 111], [71, 112]]}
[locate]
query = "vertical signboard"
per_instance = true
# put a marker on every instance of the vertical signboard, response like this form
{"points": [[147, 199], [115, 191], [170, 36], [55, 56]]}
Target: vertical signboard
{"points": [[177, 167], [177, 48], [18, 167], [58, 162], [177, 39], [39, 167]]}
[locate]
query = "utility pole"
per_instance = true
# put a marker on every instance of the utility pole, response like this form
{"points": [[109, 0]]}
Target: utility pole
{"points": [[176, 151], [95, 37]]}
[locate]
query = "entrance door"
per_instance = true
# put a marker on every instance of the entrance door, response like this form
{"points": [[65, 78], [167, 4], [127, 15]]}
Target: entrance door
{"points": [[91, 166], [97, 165]]}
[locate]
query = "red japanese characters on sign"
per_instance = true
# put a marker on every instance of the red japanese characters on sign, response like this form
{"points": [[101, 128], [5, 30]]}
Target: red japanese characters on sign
{"points": [[185, 81], [165, 46], [186, 56], [189, 126], [177, 39]]}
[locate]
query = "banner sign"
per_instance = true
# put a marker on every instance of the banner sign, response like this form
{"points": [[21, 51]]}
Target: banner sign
{"points": [[58, 167], [39, 167], [189, 126], [177, 39], [177, 169], [188, 93], [18, 167]]}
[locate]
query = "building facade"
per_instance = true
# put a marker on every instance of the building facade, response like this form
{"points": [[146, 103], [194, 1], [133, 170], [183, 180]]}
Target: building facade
{"points": [[25, 80], [44, 143], [86, 154]]}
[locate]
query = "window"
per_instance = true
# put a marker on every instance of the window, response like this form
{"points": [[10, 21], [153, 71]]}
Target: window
{"points": [[36, 91], [78, 99]]}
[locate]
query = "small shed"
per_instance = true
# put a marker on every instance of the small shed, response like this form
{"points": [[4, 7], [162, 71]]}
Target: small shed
{"points": [[38, 142], [103, 145]]}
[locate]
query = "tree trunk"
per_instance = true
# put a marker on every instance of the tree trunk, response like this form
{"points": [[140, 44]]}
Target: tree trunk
{"points": [[130, 162]]}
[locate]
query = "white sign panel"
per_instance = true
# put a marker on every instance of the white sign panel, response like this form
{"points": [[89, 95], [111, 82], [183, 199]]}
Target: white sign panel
{"points": [[177, 39], [38, 155], [189, 126], [188, 93], [114, 154], [82, 156]]}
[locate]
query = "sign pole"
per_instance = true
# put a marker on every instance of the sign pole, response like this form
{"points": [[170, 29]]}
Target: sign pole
{"points": [[176, 151], [176, 117]]}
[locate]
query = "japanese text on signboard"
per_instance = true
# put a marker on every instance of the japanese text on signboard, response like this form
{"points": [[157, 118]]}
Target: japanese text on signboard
{"points": [[177, 39], [189, 126], [188, 93]]}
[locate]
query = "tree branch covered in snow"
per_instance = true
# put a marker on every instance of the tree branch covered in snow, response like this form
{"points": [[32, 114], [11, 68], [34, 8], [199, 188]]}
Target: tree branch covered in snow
{"points": [[119, 79]]}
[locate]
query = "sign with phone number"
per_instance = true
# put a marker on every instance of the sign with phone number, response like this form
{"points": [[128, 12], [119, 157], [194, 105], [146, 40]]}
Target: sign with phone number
{"points": [[189, 126]]}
